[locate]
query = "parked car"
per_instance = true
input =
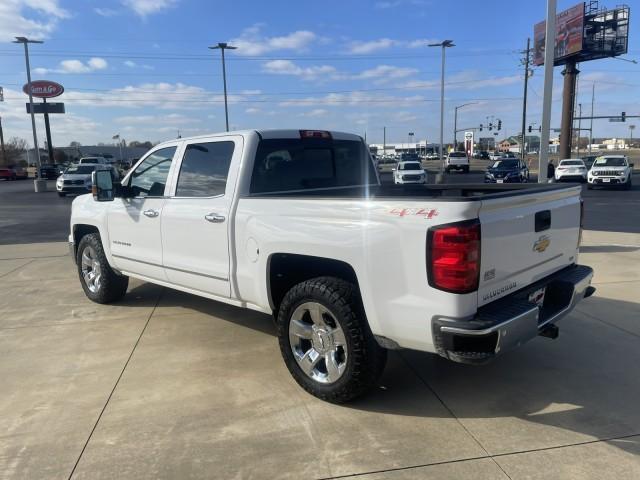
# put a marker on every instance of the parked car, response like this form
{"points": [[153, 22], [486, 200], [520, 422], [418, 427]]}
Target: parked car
{"points": [[386, 165], [19, 172], [495, 155], [77, 178], [482, 155], [92, 160], [433, 156], [409, 157], [49, 171], [571, 169], [7, 174], [508, 155], [457, 161], [611, 170], [507, 170], [409, 173], [214, 215]]}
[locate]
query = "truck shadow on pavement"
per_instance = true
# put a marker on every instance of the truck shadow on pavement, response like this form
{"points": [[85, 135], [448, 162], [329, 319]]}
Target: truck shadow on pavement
{"points": [[584, 385]]}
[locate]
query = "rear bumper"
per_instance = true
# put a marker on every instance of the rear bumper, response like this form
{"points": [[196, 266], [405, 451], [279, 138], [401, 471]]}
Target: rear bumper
{"points": [[513, 320]]}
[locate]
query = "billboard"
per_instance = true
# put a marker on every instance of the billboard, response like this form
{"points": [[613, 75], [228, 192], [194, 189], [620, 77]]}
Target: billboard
{"points": [[569, 35], [468, 143], [43, 89]]}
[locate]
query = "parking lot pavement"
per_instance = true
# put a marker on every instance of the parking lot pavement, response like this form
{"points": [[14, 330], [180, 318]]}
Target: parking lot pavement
{"points": [[168, 385]]}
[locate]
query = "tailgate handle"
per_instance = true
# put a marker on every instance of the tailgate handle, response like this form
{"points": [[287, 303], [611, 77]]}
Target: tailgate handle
{"points": [[543, 220]]}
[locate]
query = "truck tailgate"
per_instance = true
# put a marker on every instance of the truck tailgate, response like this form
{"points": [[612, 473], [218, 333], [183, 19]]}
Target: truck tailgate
{"points": [[526, 237]]}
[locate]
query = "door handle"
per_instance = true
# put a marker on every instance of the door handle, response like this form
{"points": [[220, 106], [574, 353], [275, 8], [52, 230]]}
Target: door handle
{"points": [[214, 218], [151, 213]]}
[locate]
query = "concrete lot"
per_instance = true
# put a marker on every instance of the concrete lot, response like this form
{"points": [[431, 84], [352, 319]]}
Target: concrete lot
{"points": [[167, 385]]}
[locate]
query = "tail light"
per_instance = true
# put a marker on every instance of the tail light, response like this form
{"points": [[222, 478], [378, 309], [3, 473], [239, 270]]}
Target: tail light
{"points": [[315, 134], [453, 257], [581, 221]]}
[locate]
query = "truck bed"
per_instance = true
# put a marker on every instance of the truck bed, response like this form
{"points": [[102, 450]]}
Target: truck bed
{"points": [[448, 192]]}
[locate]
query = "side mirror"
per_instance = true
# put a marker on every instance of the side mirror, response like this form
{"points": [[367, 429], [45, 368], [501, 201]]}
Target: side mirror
{"points": [[102, 186], [631, 165]]}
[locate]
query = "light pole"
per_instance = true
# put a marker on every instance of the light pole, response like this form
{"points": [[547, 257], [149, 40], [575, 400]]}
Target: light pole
{"points": [[549, 47], [631, 129], [444, 45], [222, 47], [38, 183], [455, 123]]}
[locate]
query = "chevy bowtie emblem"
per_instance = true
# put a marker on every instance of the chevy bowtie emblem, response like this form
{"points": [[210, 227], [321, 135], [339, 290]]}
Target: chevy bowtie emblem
{"points": [[541, 244]]}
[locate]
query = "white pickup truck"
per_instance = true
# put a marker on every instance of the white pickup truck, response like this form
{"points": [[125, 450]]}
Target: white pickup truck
{"points": [[294, 223]]}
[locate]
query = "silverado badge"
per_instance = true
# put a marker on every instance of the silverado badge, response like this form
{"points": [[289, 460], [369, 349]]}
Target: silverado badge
{"points": [[541, 244]]}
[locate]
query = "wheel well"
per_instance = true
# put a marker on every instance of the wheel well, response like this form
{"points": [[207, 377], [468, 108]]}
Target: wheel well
{"points": [[80, 231], [286, 270]]}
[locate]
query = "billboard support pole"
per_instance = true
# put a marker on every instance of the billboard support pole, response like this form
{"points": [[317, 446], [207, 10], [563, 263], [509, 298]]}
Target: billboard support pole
{"points": [[549, 48], [47, 129], [568, 99], [524, 101]]}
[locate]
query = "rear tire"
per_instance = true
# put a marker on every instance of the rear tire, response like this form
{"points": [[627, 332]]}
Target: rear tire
{"points": [[99, 282], [326, 342]]}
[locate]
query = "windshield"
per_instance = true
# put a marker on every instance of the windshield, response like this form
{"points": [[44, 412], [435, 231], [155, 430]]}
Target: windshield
{"points": [[578, 163], [80, 169], [457, 155], [610, 162], [505, 164], [410, 166]]}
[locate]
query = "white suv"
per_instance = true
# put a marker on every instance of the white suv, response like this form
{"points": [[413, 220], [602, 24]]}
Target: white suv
{"points": [[457, 161], [610, 170], [409, 172]]}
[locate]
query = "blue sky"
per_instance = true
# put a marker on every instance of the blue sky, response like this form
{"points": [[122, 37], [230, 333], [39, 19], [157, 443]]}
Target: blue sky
{"points": [[141, 68]]}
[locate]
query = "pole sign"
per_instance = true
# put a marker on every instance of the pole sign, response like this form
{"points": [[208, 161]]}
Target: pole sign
{"points": [[46, 108], [43, 89], [468, 143]]}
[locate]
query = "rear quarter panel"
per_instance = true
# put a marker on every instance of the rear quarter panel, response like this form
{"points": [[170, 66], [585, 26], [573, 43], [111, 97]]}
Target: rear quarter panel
{"points": [[383, 240]]}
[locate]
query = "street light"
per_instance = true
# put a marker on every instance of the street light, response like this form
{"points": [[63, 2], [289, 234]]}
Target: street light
{"points": [[455, 122], [222, 47], [38, 183], [444, 45]]}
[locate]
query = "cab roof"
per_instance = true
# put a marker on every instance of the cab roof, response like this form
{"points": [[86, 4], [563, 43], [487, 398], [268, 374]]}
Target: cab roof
{"points": [[272, 134]]}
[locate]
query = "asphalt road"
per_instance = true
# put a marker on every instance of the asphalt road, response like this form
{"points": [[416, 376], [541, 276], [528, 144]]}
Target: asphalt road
{"points": [[28, 217]]}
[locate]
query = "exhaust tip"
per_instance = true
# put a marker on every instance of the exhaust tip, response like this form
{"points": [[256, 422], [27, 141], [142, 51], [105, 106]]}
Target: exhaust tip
{"points": [[589, 291]]}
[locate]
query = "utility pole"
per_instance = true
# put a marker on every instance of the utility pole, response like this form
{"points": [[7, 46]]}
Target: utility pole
{"points": [[527, 57], [593, 97], [47, 130], [4, 153], [39, 184], [384, 140], [549, 48], [570, 73], [579, 129], [444, 45], [631, 129], [222, 47]]}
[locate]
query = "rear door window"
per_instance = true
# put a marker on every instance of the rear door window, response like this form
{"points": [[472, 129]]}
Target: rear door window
{"points": [[283, 165]]}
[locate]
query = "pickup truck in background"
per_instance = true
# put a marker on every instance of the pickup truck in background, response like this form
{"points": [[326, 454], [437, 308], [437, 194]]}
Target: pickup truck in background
{"points": [[295, 224], [457, 161]]}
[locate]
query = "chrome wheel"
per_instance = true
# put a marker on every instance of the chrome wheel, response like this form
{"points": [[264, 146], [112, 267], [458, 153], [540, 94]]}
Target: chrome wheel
{"points": [[318, 343], [91, 272]]}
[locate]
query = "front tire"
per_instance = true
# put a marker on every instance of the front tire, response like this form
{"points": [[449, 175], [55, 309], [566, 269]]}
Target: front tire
{"points": [[326, 342], [99, 282]]}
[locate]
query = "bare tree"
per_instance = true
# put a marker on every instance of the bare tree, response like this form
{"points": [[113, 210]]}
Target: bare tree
{"points": [[15, 151]]}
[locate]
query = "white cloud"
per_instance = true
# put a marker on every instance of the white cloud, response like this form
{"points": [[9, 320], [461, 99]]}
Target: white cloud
{"points": [[360, 48], [385, 73], [253, 111], [469, 80], [106, 12], [170, 119], [252, 42], [74, 66], [129, 63], [148, 7], [317, 112], [17, 18], [353, 99], [287, 67]]}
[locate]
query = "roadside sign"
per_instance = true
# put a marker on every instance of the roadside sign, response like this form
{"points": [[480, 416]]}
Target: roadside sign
{"points": [[47, 108], [43, 89], [616, 119]]}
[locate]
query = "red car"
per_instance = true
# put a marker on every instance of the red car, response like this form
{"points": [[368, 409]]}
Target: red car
{"points": [[7, 173]]}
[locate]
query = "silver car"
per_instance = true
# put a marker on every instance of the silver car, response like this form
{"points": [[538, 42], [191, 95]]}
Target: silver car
{"points": [[77, 178]]}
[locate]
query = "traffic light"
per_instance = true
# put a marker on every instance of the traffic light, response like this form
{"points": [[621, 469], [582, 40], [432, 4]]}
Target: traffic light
{"points": [[480, 127], [530, 129], [490, 126], [624, 116], [499, 124]]}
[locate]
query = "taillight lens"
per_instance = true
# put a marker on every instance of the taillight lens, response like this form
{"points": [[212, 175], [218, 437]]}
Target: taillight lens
{"points": [[453, 257]]}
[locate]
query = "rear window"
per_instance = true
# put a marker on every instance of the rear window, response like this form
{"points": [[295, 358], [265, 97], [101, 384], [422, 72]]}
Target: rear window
{"points": [[285, 165], [411, 166], [457, 155], [572, 162]]}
